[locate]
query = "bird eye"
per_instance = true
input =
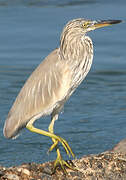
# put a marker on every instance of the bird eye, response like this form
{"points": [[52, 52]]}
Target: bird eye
{"points": [[85, 25]]}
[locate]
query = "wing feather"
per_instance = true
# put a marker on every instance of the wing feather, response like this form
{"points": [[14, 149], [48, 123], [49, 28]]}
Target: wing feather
{"points": [[47, 85]]}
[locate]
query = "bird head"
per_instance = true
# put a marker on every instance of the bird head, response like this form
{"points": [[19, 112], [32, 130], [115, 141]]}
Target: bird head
{"points": [[75, 30], [92, 25], [83, 26]]}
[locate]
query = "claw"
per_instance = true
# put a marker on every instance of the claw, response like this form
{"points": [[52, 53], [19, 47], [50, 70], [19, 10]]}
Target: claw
{"points": [[63, 164]]}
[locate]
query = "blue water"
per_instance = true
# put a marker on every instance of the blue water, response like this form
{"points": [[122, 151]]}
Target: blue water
{"points": [[94, 119]]}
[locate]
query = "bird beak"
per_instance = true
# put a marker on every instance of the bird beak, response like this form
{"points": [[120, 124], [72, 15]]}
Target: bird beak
{"points": [[99, 24]]}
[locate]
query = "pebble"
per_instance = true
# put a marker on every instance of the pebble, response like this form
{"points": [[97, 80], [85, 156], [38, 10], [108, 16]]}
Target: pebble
{"points": [[11, 177], [25, 171]]}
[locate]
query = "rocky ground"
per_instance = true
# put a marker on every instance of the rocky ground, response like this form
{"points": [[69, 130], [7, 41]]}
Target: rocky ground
{"points": [[110, 165]]}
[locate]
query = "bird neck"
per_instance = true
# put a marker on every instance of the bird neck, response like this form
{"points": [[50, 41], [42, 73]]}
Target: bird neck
{"points": [[71, 46], [78, 53]]}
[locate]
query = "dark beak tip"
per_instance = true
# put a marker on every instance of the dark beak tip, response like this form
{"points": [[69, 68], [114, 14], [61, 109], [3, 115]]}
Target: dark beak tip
{"points": [[115, 21], [110, 21]]}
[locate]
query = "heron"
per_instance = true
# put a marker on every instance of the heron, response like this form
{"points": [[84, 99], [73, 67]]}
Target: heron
{"points": [[53, 82]]}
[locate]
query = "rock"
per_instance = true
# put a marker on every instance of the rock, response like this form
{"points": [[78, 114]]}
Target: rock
{"points": [[26, 171], [120, 147], [23, 170], [1, 173], [11, 176], [110, 165]]}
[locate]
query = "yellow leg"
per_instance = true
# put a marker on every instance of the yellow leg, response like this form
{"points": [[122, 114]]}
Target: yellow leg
{"points": [[59, 160], [51, 130], [66, 146], [56, 139]]}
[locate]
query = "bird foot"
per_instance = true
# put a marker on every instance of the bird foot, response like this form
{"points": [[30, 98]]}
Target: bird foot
{"points": [[59, 162]]}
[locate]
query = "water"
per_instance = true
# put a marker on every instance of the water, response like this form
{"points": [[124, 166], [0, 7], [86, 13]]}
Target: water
{"points": [[94, 118]]}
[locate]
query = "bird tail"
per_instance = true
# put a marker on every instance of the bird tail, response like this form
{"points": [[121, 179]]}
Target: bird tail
{"points": [[11, 129]]}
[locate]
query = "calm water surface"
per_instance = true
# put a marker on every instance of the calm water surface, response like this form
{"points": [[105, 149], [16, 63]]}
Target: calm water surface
{"points": [[94, 119]]}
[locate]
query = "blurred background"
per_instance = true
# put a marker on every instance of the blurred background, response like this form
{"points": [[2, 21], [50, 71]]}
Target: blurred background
{"points": [[94, 118]]}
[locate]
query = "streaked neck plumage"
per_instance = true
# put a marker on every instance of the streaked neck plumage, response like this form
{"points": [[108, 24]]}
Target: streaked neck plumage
{"points": [[77, 50]]}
